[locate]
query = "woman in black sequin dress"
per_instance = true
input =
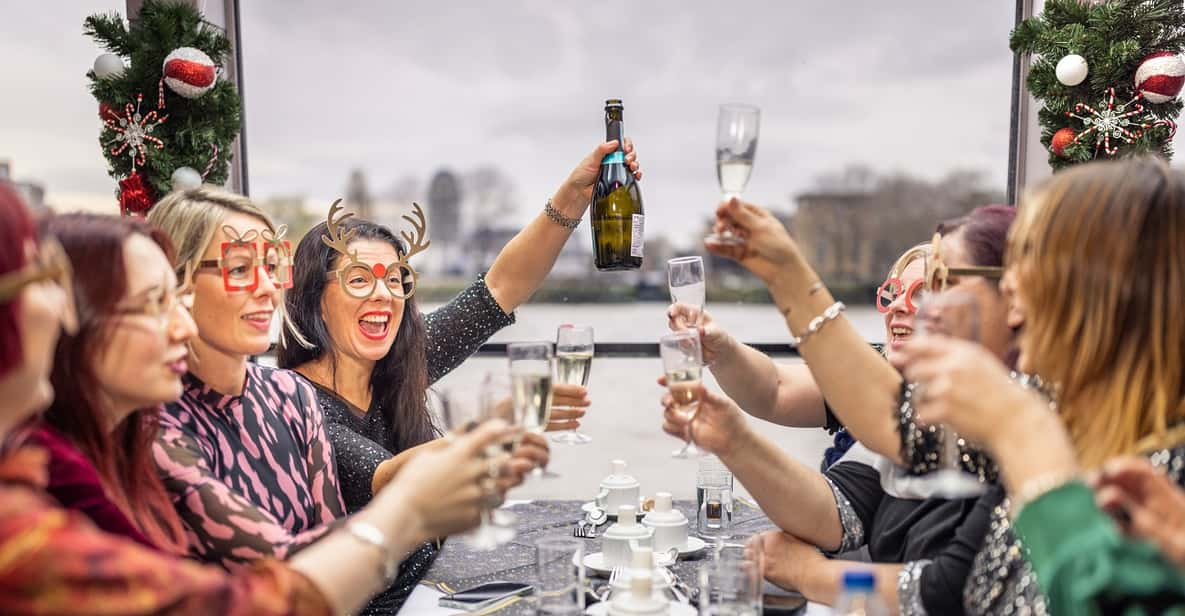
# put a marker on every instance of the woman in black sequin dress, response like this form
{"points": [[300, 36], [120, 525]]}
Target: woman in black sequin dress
{"points": [[372, 358]]}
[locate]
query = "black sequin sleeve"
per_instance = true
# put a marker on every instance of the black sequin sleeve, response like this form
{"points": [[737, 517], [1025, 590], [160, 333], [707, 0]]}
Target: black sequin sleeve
{"points": [[458, 328], [921, 446]]}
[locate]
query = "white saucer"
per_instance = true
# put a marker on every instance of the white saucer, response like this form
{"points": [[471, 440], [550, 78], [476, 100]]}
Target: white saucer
{"points": [[677, 609], [586, 507], [693, 547], [594, 564]]}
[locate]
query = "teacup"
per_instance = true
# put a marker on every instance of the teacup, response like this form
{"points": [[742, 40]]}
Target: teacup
{"points": [[621, 539], [618, 489], [669, 524]]}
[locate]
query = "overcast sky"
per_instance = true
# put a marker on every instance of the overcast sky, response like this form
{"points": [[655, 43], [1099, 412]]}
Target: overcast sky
{"points": [[404, 88]]}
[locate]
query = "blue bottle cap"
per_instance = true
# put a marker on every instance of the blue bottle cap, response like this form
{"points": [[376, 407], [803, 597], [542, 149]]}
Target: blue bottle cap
{"points": [[859, 579]]}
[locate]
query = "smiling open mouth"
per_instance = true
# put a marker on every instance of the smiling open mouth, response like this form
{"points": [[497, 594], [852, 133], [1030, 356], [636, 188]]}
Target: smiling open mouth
{"points": [[374, 325]]}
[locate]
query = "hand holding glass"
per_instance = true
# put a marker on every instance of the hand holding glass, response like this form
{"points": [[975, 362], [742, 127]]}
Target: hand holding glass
{"points": [[682, 362], [686, 278]]}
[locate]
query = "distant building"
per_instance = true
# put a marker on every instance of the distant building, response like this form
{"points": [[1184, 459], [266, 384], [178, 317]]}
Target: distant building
{"points": [[853, 237]]}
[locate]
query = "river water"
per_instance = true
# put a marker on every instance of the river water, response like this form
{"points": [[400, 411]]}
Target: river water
{"points": [[625, 419]]}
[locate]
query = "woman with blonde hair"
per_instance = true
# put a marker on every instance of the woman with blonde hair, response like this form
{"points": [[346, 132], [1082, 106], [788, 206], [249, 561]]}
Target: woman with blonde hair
{"points": [[1096, 275]]}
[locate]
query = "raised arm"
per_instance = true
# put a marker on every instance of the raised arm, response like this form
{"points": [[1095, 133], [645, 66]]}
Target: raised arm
{"points": [[780, 393], [765, 470], [528, 257], [861, 388]]}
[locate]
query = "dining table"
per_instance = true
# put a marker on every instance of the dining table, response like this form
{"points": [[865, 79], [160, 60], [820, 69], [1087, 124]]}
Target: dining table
{"points": [[458, 565]]}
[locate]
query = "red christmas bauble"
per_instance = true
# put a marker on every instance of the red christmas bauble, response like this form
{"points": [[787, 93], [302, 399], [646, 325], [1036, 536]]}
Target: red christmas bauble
{"points": [[189, 72], [1060, 140], [135, 198], [1160, 76]]}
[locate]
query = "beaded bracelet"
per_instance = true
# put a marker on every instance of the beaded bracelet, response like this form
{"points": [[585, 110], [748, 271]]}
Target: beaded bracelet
{"points": [[830, 314], [558, 218]]}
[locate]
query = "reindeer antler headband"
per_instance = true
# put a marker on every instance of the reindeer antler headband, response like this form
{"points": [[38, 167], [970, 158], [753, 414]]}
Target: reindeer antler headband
{"points": [[359, 279]]}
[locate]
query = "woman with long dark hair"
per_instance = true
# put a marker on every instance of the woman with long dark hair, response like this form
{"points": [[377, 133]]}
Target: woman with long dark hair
{"points": [[354, 331]]}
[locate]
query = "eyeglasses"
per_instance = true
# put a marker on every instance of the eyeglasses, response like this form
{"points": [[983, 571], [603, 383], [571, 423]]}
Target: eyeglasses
{"points": [[359, 280], [242, 257], [50, 264], [938, 275], [161, 302], [892, 288]]}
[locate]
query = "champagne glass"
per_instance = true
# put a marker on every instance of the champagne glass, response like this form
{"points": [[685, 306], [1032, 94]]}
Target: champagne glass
{"points": [[497, 403], [737, 127], [954, 313], [686, 278], [461, 411], [682, 361], [532, 369], [573, 357]]}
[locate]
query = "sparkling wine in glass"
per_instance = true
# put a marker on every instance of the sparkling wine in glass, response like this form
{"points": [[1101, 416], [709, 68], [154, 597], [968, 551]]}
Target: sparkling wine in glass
{"points": [[686, 278], [532, 369], [573, 363], [682, 362], [737, 127], [954, 313]]}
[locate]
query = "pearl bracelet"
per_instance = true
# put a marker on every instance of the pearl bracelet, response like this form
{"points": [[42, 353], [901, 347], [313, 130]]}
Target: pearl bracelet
{"points": [[830, 314], [369, 535], [1036, 487]]}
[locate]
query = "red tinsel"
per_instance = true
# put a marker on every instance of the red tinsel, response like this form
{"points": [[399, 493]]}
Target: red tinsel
{"points": [[135, 198]]}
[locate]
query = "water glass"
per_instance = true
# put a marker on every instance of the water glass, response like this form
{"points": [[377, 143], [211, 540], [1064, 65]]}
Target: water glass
{"points": [[730, 588], [713, 495], [559, 567], [686, 278]]}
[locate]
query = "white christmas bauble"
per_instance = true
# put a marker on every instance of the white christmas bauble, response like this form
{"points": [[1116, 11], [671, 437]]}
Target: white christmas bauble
{"points": [[108, 65], [189, 72], [185, 178], [1071, 70]]}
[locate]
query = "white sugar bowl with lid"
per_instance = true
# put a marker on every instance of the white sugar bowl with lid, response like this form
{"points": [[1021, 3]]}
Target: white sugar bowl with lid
{"points": [[618, 489], [669, 524], [620, 539]]}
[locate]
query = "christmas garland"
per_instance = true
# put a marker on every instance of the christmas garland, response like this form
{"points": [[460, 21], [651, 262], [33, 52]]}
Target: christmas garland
{"points": [[168, 120], [1107, 74]]}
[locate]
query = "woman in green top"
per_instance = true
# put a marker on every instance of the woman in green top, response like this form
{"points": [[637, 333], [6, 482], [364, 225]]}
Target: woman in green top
{"points": [[1095, 275]]}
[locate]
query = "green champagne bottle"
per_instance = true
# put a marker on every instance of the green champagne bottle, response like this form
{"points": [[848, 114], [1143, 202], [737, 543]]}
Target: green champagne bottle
{"points": [[617, 217]]}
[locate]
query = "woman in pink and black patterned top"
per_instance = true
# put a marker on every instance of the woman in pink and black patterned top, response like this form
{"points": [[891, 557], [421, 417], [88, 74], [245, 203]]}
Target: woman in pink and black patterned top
{"points": [[244, 452]]}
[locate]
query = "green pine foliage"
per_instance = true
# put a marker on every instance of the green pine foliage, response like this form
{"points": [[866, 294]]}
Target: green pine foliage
{"points": [[193, 125], [1113, 36]]}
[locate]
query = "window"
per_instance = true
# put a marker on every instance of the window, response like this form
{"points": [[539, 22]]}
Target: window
{"points": [[50, 125], [479, 113]]}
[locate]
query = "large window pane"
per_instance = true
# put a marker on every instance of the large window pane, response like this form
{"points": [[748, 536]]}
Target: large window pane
{"points": [[49, 128], [878, 118]]}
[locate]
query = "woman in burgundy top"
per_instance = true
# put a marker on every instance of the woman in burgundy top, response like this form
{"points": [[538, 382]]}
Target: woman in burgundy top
{"points": [[109, 381]]}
